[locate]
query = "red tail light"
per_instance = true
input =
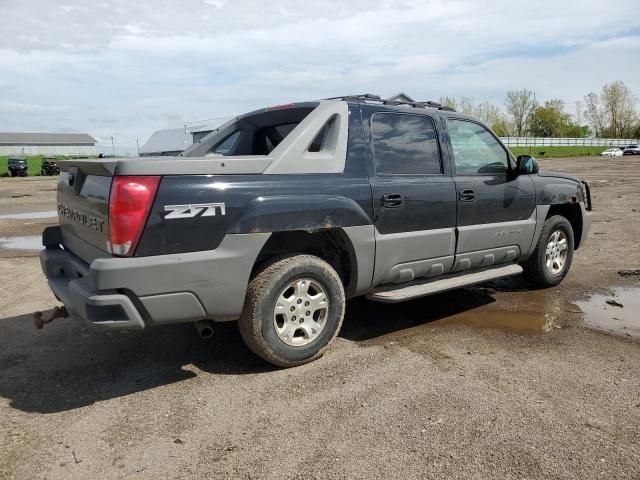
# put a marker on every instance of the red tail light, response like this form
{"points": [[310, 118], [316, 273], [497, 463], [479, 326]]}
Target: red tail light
{"points": [[129, 204]]}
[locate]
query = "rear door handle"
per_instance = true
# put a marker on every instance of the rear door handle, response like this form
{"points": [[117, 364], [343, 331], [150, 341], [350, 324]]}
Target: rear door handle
{"points": [[467, 195], [392, 200]]}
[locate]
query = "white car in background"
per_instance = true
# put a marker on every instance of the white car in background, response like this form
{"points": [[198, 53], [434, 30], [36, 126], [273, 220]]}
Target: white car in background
{"points": [[611, 152]]}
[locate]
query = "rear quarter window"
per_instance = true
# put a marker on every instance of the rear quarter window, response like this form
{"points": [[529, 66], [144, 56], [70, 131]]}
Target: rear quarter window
{"points": [[405, 144]]}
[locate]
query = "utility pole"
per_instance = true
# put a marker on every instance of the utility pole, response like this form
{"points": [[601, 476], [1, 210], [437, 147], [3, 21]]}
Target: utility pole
{"points": [[138, 145], [113, 147]]}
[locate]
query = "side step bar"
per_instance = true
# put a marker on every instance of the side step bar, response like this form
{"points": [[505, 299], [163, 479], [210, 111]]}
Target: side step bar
{"points": [[424, 287]]}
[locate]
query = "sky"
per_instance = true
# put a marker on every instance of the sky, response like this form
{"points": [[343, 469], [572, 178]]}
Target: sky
{"points": [[126, 68]]}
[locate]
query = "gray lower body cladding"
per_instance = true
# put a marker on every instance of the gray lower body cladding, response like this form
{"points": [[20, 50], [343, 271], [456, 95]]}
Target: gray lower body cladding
{"points": [[586, 223], [131, 293]]}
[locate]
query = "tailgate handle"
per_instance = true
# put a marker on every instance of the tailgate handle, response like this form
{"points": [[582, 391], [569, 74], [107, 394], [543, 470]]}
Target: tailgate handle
{"points": [[75, 179]]}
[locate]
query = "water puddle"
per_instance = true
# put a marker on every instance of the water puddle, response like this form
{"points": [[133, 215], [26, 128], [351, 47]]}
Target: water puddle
{"points": [[617, 313], [523, 323], [414, 324], [29, 215], [31, 242]]}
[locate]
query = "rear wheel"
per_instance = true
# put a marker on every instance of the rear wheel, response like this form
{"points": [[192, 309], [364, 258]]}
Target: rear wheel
{"points": [[552, 257], [294, 307]]}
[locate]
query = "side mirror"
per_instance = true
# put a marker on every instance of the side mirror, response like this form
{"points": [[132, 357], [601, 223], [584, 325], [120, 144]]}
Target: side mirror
{"points": [[526, 165]]}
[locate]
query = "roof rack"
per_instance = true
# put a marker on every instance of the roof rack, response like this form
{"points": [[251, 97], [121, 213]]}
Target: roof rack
{"points": [[362, 96], [368, 97]]}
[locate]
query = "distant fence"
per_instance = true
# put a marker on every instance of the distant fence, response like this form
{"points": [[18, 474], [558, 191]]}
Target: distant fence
{"points": [[566, 142]]}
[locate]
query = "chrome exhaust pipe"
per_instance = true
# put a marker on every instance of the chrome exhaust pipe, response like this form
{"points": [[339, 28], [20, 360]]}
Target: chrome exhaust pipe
{"points": [[204, 328]]}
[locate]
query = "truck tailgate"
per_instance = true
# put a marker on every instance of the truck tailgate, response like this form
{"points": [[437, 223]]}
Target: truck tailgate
{"points": [[83, 212]]}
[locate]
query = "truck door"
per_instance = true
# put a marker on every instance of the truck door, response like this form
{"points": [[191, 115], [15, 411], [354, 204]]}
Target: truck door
{"points": [[414, 198], [496, 210]]}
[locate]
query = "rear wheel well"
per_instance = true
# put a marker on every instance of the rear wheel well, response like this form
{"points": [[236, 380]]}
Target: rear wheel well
{"points": [[573, 213], [333, 246]]}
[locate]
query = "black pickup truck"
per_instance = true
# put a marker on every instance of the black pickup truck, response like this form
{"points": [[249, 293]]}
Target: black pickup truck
{"points": [[280, 215]]}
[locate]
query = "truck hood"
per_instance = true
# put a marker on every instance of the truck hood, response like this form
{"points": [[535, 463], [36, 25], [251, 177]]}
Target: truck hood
{"points": [[170, 165], [558, 175]]}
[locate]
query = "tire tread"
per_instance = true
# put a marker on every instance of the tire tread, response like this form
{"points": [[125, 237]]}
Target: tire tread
{"points": [[250, 330], [533, 270]]}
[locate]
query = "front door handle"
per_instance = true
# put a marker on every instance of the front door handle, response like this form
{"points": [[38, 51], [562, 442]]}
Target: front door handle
{"points": [[392, 200], [467, 195]]}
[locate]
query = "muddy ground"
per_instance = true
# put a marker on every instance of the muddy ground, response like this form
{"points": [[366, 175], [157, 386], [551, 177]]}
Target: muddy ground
{"points": [[490, 382]]}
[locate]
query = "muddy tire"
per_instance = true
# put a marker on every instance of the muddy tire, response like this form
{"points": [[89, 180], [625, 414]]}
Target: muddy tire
{"points": [[293, 309], [552, 257]]}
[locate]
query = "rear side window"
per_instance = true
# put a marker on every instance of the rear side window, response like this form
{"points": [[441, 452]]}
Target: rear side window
{"points": [[323, 138], [227, 144], [405, 144], [257, 133]]}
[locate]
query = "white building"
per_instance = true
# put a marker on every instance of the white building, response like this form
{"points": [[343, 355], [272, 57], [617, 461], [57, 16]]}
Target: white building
{"points": [[173, 141], [71, 144], [170, 142]]}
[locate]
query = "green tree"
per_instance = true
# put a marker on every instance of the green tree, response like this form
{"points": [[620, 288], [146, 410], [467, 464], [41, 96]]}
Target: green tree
{"points": [[619, 104], [448, 102], [612, 113], [520, 104], [501, 127], [487, 112], [551, 120], [548, 120]]}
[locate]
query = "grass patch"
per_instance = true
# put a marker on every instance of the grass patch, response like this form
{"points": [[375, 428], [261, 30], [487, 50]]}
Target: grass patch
{"points": [[555, 152], [34, 162]]}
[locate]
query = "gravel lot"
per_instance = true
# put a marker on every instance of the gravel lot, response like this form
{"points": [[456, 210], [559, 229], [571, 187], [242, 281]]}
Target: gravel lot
{"points": [[489, 382]]}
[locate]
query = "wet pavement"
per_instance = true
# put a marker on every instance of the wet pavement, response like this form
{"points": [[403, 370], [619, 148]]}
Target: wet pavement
{"points": [[482, 308], [617, 313], [523, 323], [462, 308], [29, 215], [30, 242], [495, 381]]}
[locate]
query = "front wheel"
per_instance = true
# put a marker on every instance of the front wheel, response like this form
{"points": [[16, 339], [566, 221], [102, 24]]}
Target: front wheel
{"points": [[552, 257], [294, 307]]}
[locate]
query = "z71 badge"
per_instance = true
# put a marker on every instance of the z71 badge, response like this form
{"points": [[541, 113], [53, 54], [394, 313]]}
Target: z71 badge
{"points": [[195, 210]]}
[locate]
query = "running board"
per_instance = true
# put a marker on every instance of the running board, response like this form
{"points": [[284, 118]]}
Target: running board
{"points": [[422, 288]]}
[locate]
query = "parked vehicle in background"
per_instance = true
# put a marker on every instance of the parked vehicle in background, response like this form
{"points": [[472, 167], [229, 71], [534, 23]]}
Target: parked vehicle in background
{"points": [[49, 166], [18, 167], [281, 214], [631, 150], [611, 152]]}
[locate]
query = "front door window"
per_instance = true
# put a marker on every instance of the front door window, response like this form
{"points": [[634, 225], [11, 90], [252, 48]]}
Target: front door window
{"points": [[475, 150]]}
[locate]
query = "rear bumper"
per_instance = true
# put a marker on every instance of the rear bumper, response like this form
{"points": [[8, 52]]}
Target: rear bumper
{"points": [[133, 293]]}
